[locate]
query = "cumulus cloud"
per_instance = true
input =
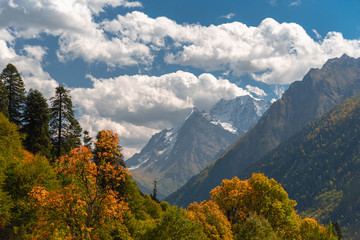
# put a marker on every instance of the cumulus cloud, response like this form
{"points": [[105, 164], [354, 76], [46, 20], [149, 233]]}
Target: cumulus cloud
{"points": [[73, 22], [29, 66], [274, 53], [140, 105]]}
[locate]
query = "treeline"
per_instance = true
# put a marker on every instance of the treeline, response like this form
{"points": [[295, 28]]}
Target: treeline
{"points": [[89, 194], [47, 130]]}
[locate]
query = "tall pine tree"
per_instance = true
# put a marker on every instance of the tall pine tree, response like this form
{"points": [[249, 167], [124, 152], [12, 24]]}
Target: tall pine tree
{"points": [[65, 130], [36, 123], [3, 98], [16, 93]]}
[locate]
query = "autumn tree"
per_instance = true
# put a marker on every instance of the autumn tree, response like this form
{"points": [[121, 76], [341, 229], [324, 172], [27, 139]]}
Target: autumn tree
{"points": [[16, 93], [212, 221], [65, 130], [81, 209], [311, 229], [107, 149], [36, 123], [3, 98], [258, 203]]}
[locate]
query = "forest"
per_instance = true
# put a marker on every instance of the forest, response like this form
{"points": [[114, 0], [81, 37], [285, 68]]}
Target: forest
{"points": [[56, 182]]}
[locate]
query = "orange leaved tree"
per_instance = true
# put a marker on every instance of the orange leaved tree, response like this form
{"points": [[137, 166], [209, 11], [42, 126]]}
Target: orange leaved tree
{"points": [[83, 208]]}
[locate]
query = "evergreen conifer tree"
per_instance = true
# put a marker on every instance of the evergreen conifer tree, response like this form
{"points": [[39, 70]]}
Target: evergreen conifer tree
{"points": [[87, 139], [3, 98], [16, 93], [65, 130], [338, 230], [36, 123], [154, 194]]}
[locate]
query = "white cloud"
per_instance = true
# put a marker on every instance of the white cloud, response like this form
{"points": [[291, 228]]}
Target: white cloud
{"points": [[228, 16], [29, 66], [258, 91], [275, 53], [138, 106], [273, 3], [295, 3], [36, 52], [317, 34], [73, 21]]}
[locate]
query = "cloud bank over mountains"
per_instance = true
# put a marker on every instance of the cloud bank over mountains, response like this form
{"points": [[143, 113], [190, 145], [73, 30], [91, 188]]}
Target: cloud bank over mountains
{"points": [[139, 105]]}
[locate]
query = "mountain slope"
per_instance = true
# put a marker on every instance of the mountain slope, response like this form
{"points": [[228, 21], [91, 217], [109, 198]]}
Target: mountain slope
{"points": [[320, 166], [304, 101], [171, 157]]}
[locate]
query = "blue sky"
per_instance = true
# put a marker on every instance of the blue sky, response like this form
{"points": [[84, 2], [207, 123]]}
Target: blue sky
{"points": [[138, 67]]}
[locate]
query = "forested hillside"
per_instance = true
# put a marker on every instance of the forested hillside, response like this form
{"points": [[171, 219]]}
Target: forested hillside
{"points": [[320, 167]]}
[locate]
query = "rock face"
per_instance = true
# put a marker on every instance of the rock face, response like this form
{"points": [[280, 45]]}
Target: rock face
{"points": [[173, 156], [304, 101]]}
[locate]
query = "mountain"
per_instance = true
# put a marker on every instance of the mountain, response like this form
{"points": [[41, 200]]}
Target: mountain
{"points": [[171, 157], [303, 102], [319, 167], [240, 114]]}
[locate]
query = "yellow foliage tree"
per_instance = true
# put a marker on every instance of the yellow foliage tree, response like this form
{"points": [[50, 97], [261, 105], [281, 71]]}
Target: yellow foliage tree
{"points": [[212, 221]]}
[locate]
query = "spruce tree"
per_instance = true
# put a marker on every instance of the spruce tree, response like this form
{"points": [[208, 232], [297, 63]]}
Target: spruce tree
{"points": [[87, 139], [65, 130], [36, 123], [3, 98], [16, 93]]}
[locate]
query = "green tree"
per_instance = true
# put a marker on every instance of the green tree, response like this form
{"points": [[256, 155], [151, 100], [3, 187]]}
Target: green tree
{"points": [[3, 98], [255, 227], [154, 194], [36, 123], [10, 146], [175, 224], [87, 139], [65, 130], [22, 174], [16, 93]]}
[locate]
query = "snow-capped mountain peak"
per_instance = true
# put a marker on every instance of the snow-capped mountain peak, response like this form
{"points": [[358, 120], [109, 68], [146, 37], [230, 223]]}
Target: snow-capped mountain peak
{"points": [[239, 114]]}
